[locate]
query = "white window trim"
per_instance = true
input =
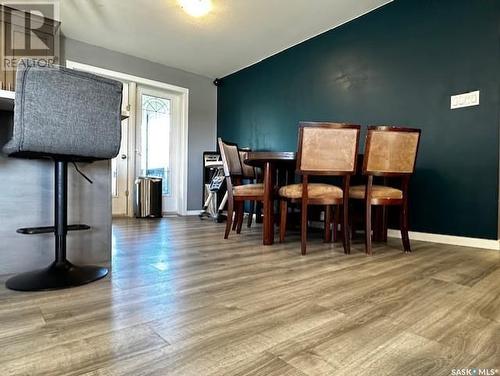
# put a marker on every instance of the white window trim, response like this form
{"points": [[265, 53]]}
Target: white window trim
{"points": [[183, 131]]}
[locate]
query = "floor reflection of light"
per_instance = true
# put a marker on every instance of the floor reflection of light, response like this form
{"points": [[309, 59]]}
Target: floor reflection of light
{"points": [[142, 267], [161, 266]]}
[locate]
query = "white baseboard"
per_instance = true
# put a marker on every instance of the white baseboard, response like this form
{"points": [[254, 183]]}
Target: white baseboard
{"points": [[187, 213], [437, 238], [448, 239], [422, 236]]}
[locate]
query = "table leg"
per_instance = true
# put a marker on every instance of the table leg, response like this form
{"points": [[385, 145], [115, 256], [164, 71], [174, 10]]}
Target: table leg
{"points": [[384, 223], [377, 223], [268, 226], [380, 224]]}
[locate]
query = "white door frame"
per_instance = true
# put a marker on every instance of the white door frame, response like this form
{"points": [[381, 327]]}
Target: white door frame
{"points": [[120, 200], [183, 128], [170, 204]]}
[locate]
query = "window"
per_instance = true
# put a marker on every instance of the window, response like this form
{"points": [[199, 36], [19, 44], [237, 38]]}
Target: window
{"points": [[156, 124]]}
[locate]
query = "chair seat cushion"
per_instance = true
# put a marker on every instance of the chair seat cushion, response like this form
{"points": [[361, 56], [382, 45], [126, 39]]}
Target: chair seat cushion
{"points": [[378, 191], [315, 190], [249, 190]]}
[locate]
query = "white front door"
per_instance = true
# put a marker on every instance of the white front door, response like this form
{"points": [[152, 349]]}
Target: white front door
{"points": [[158, 141], [119, 165], [163, 151]]}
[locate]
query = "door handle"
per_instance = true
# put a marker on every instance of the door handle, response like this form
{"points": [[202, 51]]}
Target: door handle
{"points": [[123, 156]]}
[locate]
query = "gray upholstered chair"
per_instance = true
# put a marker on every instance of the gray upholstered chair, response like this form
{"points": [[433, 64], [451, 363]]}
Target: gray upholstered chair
{"points": [[67, 116]]}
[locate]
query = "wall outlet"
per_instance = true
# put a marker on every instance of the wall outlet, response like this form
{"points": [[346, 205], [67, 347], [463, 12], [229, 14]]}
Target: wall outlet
{"points": [[465, 100]]}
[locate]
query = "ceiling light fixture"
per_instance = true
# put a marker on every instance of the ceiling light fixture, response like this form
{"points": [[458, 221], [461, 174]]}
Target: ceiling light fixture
{"points": [[196, 8]]}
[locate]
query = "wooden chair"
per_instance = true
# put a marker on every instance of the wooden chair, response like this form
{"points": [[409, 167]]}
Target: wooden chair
{"points": [[326, 149], [238, 193], [250, 174], [390, 152]]}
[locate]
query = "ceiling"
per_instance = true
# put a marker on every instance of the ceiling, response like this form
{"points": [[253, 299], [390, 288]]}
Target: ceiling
{"points": [[236, 34]]}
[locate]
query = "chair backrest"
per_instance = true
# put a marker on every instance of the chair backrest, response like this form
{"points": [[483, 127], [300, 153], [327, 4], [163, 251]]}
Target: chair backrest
{"points": [[63, 112], [390, 150], [327, 148], [247, 170], [230, 158]]}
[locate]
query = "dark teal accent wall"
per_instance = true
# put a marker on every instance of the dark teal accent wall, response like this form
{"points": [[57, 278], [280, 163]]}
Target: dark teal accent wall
{"points": [[397, 65]]}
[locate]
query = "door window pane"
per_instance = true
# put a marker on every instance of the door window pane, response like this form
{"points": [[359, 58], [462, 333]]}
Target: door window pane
{"points": [[156, 122]]}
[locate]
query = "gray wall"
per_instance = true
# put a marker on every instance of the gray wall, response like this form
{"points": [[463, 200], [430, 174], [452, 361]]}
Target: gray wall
{"points": [[202, 100]]}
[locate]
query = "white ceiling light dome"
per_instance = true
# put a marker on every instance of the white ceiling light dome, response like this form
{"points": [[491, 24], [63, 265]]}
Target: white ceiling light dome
{"points": [[196, 8]]}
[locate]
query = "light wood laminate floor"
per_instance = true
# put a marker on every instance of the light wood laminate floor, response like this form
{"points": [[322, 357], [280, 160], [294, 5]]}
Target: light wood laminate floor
{"points": [[183, 301]]}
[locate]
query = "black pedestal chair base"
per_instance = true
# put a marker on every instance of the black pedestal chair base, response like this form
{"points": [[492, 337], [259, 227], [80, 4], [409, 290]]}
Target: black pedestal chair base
{"points": [[55, 277], [61, 273]]}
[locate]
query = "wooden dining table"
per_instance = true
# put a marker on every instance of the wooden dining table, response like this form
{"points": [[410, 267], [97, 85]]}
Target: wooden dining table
{"points": [[270, 163]]}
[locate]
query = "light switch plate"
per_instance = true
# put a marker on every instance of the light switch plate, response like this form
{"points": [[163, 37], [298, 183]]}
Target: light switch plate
{"points": [[465, 100]]}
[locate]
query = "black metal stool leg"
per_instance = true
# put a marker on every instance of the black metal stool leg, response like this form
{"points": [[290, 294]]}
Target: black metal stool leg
{"points": [[61, 273]]}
